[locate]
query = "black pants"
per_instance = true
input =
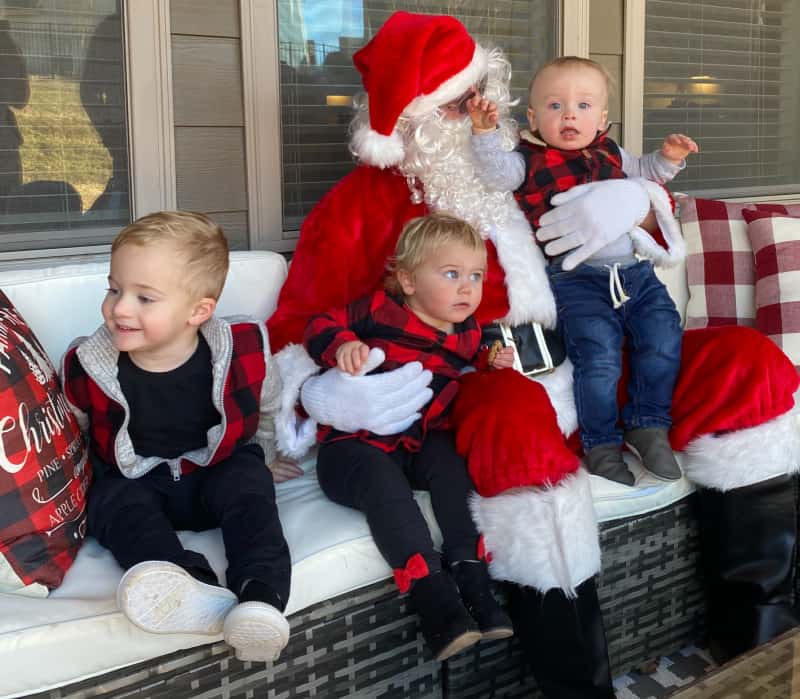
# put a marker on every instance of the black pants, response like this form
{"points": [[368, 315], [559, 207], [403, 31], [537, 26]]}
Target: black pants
{"points": [[380, 484], [136, 519]]}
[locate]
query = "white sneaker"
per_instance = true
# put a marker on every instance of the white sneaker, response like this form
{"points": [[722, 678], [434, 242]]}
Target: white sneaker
{"points": [[162, 597], [257, 631]]}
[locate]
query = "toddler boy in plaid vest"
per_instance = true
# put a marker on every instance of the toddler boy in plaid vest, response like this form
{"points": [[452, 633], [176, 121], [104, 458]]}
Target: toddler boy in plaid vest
{"points": [[178, 405], [435, 283], [613, 296]]}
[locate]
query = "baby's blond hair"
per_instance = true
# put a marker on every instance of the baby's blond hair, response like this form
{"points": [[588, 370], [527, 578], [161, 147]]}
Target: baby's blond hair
{"points": [[421, 236], [199, 242], [569, 62]]}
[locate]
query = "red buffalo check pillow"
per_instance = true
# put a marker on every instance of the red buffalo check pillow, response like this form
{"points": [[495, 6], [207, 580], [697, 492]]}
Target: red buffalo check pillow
{"points": [[776, 248], [43, 470], [719, 260]]}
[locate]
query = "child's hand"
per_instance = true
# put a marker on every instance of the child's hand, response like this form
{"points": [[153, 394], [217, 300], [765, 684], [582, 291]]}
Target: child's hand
{"points": [[676, 147], [483, 113], [284, 469], [351, 356], [504, 359]]}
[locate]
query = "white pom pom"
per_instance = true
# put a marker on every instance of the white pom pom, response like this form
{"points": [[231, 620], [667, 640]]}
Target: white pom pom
{"points": [[373, 148]]}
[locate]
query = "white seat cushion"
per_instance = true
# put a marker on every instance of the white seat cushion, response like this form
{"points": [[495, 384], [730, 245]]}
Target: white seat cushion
{"points": [[78, 632], [62, 302]]}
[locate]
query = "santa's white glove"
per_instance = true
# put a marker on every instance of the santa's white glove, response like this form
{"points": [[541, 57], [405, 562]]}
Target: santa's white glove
{"points": [[385, 403], [590, 216]]}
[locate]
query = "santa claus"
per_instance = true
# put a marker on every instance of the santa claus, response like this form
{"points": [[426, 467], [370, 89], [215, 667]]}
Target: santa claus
{"points": [[411, 137]]}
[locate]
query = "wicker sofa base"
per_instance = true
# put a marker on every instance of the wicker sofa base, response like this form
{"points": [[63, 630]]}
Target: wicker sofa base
{"points": [[367, 643]]}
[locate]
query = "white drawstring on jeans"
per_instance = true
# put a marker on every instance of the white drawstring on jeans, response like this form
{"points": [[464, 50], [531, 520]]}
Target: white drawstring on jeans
{"points": [[618, 295]]}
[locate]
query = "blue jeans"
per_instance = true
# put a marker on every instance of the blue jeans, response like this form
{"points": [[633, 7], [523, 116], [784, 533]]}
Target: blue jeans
{"points": [[594, 332]]}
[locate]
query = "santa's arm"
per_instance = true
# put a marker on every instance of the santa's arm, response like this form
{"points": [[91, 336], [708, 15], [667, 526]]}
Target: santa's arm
{"points": [[343, 247], [341, 255], [590, 216]]}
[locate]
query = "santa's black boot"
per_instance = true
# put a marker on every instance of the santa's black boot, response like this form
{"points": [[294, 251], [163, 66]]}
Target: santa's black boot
{"points": [[446, 624], [749, 540], [472, 578], [563, 640]]}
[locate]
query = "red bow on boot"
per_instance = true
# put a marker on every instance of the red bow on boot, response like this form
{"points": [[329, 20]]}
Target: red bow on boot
{"points": [[416, 568]]}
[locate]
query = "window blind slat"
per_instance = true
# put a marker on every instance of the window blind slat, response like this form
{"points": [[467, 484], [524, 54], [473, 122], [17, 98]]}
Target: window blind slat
{"points": [[63, 145], [725, 72], [317, 41]]}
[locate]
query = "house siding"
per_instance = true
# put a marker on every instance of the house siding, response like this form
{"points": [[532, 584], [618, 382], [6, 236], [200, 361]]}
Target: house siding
{"points": [[210, 164]]}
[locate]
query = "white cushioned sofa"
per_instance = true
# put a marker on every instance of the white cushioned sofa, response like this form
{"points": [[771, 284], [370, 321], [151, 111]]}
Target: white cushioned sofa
{"points": [[351, 632]]}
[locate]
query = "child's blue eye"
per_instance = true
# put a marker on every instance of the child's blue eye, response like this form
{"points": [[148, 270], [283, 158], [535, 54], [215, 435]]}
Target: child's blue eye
{"points": [[451, 274], [584, 105], [554, 105], [476, 277]]}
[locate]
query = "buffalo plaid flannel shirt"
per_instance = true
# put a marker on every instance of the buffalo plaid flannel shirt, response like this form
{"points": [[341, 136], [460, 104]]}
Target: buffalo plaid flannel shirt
{"points": [[241, 398], [383, 321], [551, 170]]}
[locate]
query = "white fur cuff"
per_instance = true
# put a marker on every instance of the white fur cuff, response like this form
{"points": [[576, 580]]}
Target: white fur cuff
{"points": [[645, 244], [530, 297], [558, 385], [543, 537], [294, 435], [747, 456]]}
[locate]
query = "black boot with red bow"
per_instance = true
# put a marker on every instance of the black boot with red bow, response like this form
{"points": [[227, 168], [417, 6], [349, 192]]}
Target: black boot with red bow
{"points": [[446, 624], [472, 578]]}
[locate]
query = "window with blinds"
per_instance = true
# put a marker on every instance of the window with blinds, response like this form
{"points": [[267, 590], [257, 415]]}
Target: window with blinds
{"points": [[317, 40], [64, 178], [727, 73]]}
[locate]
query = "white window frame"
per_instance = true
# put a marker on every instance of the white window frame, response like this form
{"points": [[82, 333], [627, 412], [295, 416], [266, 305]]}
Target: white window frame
{"points": [[633, 95], [151, 121], [151, 128], [262, 110]]}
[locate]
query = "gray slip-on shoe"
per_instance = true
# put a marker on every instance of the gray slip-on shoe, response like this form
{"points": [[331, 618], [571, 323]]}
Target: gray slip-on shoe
{"points": [[606, 460], [651, 446]]}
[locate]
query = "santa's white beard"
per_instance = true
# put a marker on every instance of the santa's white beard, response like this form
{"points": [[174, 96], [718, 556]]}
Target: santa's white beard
{"points": [[439, 154]]}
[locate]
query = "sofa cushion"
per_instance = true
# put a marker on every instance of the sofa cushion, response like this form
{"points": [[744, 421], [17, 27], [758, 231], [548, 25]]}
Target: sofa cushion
{"points": [[78, 631], [719, 260], [81, 633], [74, 293], [776, 248], [44, 472]]}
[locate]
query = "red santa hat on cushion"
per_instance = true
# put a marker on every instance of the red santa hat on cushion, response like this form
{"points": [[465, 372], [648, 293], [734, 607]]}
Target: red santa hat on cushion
{"points": [[414, 64]]}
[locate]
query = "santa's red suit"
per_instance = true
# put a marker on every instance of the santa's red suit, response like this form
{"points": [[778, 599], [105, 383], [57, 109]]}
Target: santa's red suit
{"points": [[733, 396]]}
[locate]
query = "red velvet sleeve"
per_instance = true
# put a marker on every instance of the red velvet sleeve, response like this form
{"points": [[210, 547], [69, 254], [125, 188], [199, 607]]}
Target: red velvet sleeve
{"points": [[343, 247]]}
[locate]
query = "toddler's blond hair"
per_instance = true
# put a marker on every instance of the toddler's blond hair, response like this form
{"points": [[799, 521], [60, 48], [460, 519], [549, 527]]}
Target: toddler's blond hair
{"points": [[421, 236], [569, 62], [199, 242]]}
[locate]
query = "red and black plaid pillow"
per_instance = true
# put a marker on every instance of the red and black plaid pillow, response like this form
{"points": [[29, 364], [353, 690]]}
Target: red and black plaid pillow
{"points": [[775, 238], [44, 473], [719, 260]]}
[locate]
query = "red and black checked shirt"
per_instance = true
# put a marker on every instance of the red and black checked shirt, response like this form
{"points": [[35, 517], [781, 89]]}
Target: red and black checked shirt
{"points": [[551, 170], [244, 377], [384, 321]]}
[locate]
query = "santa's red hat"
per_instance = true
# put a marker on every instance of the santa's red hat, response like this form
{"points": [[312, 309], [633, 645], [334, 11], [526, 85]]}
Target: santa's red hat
{"points": [[414, 64]]}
